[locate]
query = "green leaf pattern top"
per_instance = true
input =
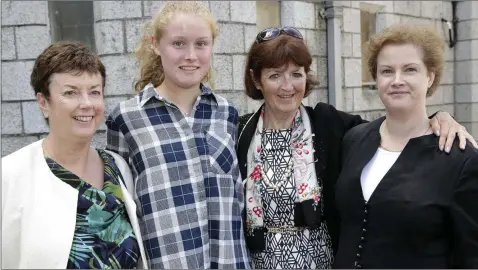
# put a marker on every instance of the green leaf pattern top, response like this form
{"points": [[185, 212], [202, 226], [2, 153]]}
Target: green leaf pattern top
{"points": [[103, 235]]}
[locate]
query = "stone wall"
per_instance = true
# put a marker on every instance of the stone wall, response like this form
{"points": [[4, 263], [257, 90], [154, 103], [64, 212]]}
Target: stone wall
{"points": [[466, 66], [25, 33], [305, 17], [117, 28], [363, 101]]}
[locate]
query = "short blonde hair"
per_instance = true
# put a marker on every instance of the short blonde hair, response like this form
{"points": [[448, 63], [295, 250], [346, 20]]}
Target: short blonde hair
{"points": [[425, 37], [151, 68]]}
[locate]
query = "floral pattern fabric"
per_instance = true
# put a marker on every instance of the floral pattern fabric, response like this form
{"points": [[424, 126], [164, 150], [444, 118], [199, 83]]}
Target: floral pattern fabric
{"points": [[302, 249], [103, 235], [302, 152]]}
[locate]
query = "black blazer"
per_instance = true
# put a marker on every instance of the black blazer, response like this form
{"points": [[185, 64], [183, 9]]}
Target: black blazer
{"points": [[329, 126], [423, 213]]}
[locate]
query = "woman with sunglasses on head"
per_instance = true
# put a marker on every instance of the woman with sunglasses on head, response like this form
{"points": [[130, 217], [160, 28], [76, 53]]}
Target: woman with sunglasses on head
{"points": [[289, 157]]}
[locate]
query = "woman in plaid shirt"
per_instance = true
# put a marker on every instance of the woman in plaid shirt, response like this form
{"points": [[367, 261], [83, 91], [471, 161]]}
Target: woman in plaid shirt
{"points": [[178, 137]]}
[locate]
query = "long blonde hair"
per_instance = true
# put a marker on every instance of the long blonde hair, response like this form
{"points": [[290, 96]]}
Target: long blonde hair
{"points": [[151, 68]]}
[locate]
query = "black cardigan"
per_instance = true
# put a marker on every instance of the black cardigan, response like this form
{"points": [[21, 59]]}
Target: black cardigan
{"points": [[422, 214], [329, 126]]}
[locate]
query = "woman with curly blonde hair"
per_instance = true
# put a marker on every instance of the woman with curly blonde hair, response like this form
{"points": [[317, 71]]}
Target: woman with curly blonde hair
{"points": [[178, 138]]}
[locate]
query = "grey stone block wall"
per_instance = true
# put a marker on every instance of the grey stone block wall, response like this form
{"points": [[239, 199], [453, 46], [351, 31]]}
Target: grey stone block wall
{"points": [[230, 49], [367, 102], [117, 29], [466, 66], [305, 16], [109, 37], [25, 34]]}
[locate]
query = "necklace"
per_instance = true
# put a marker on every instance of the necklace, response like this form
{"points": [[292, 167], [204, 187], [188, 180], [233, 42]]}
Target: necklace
{"points": [[381, 132]]}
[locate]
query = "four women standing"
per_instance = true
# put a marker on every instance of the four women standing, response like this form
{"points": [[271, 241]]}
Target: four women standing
{"points": [[179, 138]]}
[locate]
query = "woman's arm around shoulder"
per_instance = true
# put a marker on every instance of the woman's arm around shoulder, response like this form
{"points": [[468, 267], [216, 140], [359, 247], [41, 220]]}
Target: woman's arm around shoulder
{"points": [[339, 119], [464, 212]]}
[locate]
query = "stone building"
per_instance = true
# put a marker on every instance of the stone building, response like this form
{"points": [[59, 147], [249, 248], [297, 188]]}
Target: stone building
{"points": [[334, 31]]}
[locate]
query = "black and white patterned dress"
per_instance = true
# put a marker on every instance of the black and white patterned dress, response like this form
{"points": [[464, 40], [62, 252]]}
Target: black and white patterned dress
{"points": [[306, 249]]}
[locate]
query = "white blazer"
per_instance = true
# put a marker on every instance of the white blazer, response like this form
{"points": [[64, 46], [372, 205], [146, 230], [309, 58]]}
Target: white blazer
{"points": [[39, 211]]}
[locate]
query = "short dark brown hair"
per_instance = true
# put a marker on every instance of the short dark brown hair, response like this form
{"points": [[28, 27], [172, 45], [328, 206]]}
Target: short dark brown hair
{"points": [[64, 57], [276, 53], [425, 37]]}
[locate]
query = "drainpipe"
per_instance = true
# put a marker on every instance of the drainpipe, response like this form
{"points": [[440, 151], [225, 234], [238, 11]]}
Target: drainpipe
{"points": [[333, 15]]}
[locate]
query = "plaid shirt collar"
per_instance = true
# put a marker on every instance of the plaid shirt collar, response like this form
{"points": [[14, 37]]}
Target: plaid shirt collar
{"points": [[149, 92]]}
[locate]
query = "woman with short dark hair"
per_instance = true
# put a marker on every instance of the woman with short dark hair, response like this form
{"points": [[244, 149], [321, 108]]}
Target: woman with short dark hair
{"points": [[64, 203]]}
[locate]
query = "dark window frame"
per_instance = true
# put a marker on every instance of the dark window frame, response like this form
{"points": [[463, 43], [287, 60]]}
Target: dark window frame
{"points": [[72, 20]]}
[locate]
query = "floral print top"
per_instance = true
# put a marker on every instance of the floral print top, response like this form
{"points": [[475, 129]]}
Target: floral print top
{"points": [[103, 235]]}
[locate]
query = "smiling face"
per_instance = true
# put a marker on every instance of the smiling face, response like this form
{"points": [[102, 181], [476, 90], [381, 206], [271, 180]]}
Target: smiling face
{"points": [[402, 77], [75, 107], [283, 88], [185, 48]]}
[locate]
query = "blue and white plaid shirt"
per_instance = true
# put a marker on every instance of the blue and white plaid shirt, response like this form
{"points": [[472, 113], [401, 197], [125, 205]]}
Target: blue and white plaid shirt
{"points": [[187, 181]]}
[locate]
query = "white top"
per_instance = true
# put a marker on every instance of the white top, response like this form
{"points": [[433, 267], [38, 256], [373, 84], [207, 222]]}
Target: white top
{"points": [[39, 211], [376, 169]]}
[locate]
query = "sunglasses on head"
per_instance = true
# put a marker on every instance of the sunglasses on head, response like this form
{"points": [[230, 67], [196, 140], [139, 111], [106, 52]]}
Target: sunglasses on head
{"points": [[271, 33]]}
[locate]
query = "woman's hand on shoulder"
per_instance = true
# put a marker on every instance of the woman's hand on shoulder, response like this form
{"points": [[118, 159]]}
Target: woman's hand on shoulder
{"points": [[447, 128]]}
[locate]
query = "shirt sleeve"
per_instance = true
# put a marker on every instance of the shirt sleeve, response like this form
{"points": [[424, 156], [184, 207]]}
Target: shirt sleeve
{"points": [[464, 212], [115, 140], [234, 120]]}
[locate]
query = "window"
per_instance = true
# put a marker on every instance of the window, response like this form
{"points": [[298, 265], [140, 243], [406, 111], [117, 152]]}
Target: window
{"points": [[72, 20], [367, 29], [268, 14]]}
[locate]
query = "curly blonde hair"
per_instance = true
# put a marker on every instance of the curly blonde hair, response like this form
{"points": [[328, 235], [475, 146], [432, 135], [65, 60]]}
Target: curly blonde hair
{"points": [[151, 68], [425, 37]]}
